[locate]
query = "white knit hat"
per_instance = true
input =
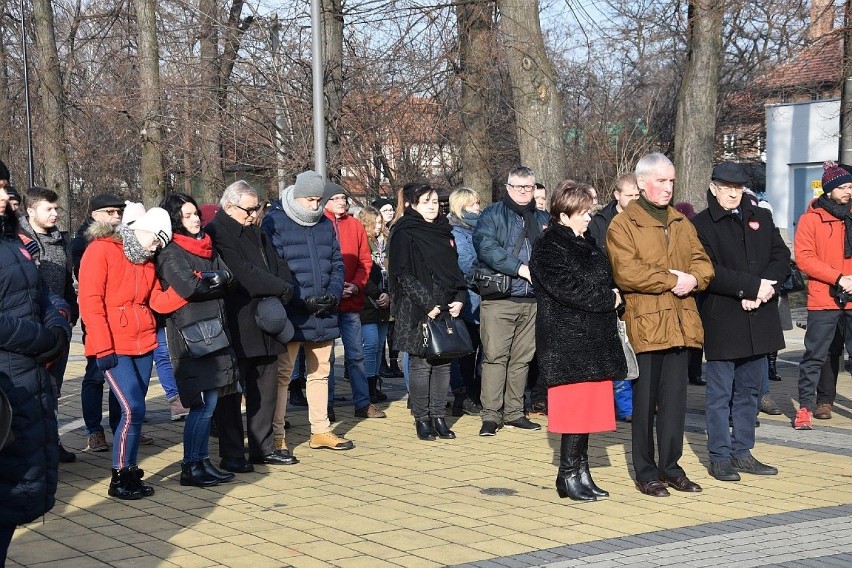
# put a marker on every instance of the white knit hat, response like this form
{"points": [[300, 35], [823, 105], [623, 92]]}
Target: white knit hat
{"points": [[132, 211], [157, 221]]}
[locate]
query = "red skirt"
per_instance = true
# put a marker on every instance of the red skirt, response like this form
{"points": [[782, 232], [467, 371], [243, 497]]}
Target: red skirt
{"points": [[581, 408]]}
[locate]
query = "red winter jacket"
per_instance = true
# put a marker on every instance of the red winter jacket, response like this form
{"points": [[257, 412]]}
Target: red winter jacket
{"points": [[116, 297], [357, 258], [819, 243]]}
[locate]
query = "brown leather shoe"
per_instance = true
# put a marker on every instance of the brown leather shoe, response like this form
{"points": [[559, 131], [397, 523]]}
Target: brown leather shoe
{"points": [[652, 488], [681, 484], [369, 411], [823, 412]]}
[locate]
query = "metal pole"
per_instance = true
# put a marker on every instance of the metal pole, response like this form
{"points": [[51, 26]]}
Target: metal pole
{"points": [[845, 150], [319, 100], [30, 160]]}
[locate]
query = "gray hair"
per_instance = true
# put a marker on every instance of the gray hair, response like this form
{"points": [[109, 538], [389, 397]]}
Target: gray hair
{"points": [[235, 191], [521, 172], [650, 162]]}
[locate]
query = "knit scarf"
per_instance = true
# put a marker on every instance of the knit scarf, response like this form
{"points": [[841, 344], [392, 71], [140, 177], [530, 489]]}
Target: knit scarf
{"points": [[842, 212], [661, 214], [200, 245], [468, 219], [133, 250], [296, 212], [531, 228]]}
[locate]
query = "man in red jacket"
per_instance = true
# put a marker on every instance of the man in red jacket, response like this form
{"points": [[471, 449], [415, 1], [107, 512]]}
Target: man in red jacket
{"points": [[357, 263], [824, 252]]}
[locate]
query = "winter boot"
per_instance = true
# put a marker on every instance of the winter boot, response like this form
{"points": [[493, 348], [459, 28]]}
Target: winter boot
{"points": [[568, 483], [194, 474], [585, 476], [376, 395], [123, 485], [146, 490], [773, 366]]}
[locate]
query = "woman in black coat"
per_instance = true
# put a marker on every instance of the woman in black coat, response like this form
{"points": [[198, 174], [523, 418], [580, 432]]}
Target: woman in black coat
{"points": [[424, 281], [32, 333], [190, 265], [577, 343]]}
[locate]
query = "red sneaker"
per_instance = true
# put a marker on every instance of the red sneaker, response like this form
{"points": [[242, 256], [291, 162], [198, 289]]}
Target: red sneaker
{"points": [[804, 420]]}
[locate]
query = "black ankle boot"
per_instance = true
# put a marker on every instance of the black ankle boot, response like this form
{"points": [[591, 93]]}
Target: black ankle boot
{"points": [[221, 476], [439, 425], [585, 475], [424, 430], [376, 395], [138, 474], [773, 366], [124, 485], [568, 482], [194, 474]]}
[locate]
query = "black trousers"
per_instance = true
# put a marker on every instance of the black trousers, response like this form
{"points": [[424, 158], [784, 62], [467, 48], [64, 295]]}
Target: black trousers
{"points": [[827, 386], [6, 534], [661, 387], [260, 380]]}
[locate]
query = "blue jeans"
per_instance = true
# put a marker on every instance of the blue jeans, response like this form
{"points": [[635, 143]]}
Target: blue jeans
{"points": [[299, 369], [374, 335], [92, 400], [353, 359], [623, 398], [405, 361], [736, 383], [129, 381], [164, 365], [196, 431]]}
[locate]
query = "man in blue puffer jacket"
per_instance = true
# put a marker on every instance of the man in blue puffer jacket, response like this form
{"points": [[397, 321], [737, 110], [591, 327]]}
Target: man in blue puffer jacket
{"points": [[304, 237], [507, 325], [32, 334]]}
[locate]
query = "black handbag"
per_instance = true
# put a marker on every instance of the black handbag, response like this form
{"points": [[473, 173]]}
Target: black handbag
{"points": [[446, 337], [493, 285], [795, 281], [204, 337]]}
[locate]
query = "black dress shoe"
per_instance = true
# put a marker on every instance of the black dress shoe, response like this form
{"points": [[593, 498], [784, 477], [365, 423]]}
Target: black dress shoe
{"points": [[751, 465], [65, 456], [723, 471], [523, 423], [652, 488], [236, 465], [278, 457], [698, 381], [424, 430], [221, 476], [439, 425], [194, 474], [681, 483], [489, 428]]}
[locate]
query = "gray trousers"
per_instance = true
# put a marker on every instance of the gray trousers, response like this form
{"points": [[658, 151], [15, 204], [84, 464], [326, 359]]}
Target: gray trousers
{"points": [[822, 326], [428, 386], [507, 329]]}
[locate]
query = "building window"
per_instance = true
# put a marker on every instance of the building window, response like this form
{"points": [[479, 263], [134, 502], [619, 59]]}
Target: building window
{"points": [[729, 143]]}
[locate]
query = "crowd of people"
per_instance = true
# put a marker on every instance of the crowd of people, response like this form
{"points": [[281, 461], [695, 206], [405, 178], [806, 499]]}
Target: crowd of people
{"points": [[242, 305]]}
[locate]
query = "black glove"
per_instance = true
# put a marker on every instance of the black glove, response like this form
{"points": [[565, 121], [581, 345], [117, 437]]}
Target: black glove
{"points": [[326, 304], [217, 278], [312, 304], [107, 362], [60, 344]]}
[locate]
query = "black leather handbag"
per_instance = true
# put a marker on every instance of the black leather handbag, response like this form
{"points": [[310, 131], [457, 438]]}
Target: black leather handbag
{"points": [[204, 337], [795, 281], [446, 337]]}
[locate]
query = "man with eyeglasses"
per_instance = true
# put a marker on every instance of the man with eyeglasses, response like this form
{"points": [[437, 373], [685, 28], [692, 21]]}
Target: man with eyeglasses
{"points": [[503, 240], [259, 273], [740, 317]]}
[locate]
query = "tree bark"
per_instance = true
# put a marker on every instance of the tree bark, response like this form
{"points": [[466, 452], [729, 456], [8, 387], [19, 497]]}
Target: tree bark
{"points": [[695, 125], [538, 109], [51, 103], [210, 120], [476, 34], [332, 27], [151, 134]]}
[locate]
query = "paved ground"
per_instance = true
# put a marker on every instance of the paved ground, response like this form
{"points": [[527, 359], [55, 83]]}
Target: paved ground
{"points": [[487, 502]]}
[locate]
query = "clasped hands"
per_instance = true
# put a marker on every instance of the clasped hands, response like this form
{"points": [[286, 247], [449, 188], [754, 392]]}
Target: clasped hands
{"points": [[764, 294], [455, 309]]}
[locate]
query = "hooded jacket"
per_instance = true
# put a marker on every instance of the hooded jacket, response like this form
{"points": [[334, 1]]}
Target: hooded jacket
{"points": [[818, 245]]}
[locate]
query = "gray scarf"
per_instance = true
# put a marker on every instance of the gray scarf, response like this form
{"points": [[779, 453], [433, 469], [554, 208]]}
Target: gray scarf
{"points": [[296, 212], [133, 250]]}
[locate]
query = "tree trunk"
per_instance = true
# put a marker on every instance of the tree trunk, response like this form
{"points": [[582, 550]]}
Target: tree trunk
{"points": [[332, 27], [153, 177], [695, 126], [51, 107], [475, 29], [210, 121], [538, 109]]}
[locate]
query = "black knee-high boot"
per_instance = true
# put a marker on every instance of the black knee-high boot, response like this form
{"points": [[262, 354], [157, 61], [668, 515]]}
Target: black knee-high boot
{"points": [[568, 482], [585, 475], [773, 366]]}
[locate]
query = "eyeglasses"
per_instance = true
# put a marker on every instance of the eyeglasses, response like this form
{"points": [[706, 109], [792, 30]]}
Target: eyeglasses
{"points": [[339, 198], [110, 212], [250, 210], [521, 188], [729, 188]]}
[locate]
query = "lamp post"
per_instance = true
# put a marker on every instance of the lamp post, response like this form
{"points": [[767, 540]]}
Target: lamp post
{"points": [[30, 161], [319, 100]]}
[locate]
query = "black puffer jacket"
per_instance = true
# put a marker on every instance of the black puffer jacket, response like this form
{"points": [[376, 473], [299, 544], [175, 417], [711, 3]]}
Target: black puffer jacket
{"points": [[176, 268], [28, 467], [575, 327]]}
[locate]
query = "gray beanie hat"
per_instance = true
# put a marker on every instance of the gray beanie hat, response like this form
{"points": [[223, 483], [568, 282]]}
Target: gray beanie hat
{"points": [[308, 184]]}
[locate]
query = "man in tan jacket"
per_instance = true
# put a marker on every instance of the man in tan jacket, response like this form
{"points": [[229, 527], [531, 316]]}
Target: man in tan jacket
{"points": [[659, 264]]}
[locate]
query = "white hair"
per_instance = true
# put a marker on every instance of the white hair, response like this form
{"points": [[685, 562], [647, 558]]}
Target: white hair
{"points": [[650, 162], [235, 191]]}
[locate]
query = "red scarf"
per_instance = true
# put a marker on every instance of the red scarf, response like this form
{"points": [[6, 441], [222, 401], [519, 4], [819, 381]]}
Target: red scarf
{"points": [[202, 247]]}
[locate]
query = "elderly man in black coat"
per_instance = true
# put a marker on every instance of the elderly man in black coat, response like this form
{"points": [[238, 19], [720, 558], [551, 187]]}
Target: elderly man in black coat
{"points": [[740, 317]]}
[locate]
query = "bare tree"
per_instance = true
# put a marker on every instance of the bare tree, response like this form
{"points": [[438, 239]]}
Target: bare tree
{"points": [[151, 135], [332, 32]]}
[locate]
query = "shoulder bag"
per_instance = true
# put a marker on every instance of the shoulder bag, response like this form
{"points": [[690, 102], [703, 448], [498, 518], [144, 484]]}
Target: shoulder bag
{"points": [[493, 285], [795, 281], [446, 337], [204, 337], [629, 354]]}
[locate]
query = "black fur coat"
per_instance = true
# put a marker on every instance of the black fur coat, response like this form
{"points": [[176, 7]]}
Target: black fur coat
{"points": [[576, 334]]}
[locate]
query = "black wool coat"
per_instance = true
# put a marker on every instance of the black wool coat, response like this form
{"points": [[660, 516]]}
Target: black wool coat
{"points": [[576, 333], [258, 273], [743, 250]]}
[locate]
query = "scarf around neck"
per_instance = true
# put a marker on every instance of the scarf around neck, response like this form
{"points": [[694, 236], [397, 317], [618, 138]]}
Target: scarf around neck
{"points": [[842, 212], [296, 212], [468, 220], [202, 245], [531, 228], [133, 250]]}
